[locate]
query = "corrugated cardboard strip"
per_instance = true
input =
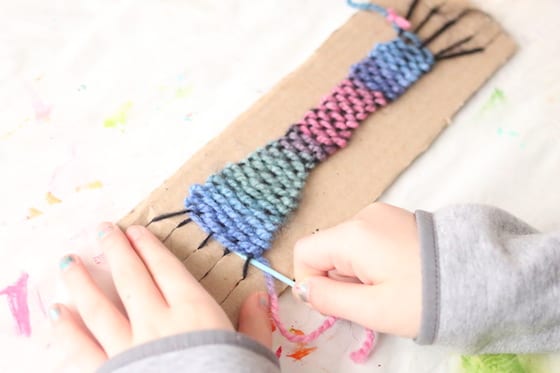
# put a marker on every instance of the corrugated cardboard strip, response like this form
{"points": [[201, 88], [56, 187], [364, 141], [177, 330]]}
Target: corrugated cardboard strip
{"points": [[351, 179]]}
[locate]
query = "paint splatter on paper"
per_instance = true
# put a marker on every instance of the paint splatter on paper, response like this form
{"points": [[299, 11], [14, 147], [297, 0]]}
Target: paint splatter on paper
{"points": [[93, 185], [278, 352], [296, 331], [10, 133], [119, 119], [512, 134], [17, 301], [33, 213], [496, 98], [41, 303], [301, 352], [506, 132], [41, 108], [182, 92], [52, 199]]}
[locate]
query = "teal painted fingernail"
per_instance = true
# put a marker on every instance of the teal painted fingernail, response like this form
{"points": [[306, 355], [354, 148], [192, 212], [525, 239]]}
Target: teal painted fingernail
{"points": [[54, 313], [103, 230], [66, 262], [263, 301]]}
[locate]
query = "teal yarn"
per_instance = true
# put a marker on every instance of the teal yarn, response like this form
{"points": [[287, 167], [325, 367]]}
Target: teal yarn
{"points": [[243, 205]]}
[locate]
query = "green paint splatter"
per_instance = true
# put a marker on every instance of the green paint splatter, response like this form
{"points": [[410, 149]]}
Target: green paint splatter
{"points": [[492, 364], [500, 363], [118, 120], [497, 97], [182, 92], [506, 132]]}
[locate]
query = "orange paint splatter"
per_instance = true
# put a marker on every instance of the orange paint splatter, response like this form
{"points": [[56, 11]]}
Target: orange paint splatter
{"points": [[301, 352], [272, 326], [51, 199], [33, 213], [278, 352], [296, 331], [93, 185]]}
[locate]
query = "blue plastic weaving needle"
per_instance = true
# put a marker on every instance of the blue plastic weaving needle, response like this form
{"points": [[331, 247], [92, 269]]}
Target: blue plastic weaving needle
{"points": [[277, 275]]}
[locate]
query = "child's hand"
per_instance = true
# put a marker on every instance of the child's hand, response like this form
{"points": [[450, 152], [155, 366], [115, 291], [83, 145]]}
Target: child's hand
{"points": [[160, 296], [366, 270]]}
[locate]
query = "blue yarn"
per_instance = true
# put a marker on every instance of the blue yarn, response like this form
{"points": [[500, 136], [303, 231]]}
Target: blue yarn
{"points": [[368, 7], [245, 204], [373, 8], [394, 66]]}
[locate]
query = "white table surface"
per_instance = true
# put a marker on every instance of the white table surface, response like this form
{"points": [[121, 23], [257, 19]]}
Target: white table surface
{"points": [[101, 100]]}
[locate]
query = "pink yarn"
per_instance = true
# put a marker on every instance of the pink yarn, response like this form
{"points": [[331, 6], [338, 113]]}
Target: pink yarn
{"points": [[274, 312], [359, 356], [393, 17], [332, 122]]}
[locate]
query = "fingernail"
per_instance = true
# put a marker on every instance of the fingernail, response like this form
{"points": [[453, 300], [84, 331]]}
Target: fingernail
{"points": [[66, 262], [263, 301], [54, 313], [302, 291], [104, 229]]}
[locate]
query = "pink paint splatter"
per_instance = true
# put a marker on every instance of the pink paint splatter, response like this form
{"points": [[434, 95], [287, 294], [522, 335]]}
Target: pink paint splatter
{"points": [[279, 352], [17, 299], [41, 303], [42, 109], [99, 259]]}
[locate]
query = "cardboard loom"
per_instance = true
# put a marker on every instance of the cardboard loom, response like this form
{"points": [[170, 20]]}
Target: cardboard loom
{"points": [[384, 145]]}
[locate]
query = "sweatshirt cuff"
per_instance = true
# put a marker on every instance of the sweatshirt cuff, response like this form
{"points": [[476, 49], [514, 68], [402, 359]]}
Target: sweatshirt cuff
{"points": [[186, 341], [429, 254]]}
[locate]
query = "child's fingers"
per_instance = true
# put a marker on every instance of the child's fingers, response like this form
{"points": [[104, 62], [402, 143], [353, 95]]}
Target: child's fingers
{"points": [[79, 351], [175, 283], [254, 319], [330, 249], [363, 304], [100, 315], [136, 288]]}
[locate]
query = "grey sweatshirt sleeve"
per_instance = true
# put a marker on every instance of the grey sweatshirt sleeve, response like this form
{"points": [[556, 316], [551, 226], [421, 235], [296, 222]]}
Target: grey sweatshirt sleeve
{"points": [[490, 282], [196, 352]]}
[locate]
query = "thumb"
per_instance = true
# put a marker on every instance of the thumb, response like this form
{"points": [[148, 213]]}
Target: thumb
{"points": [[360, 303], [254, 319]]}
